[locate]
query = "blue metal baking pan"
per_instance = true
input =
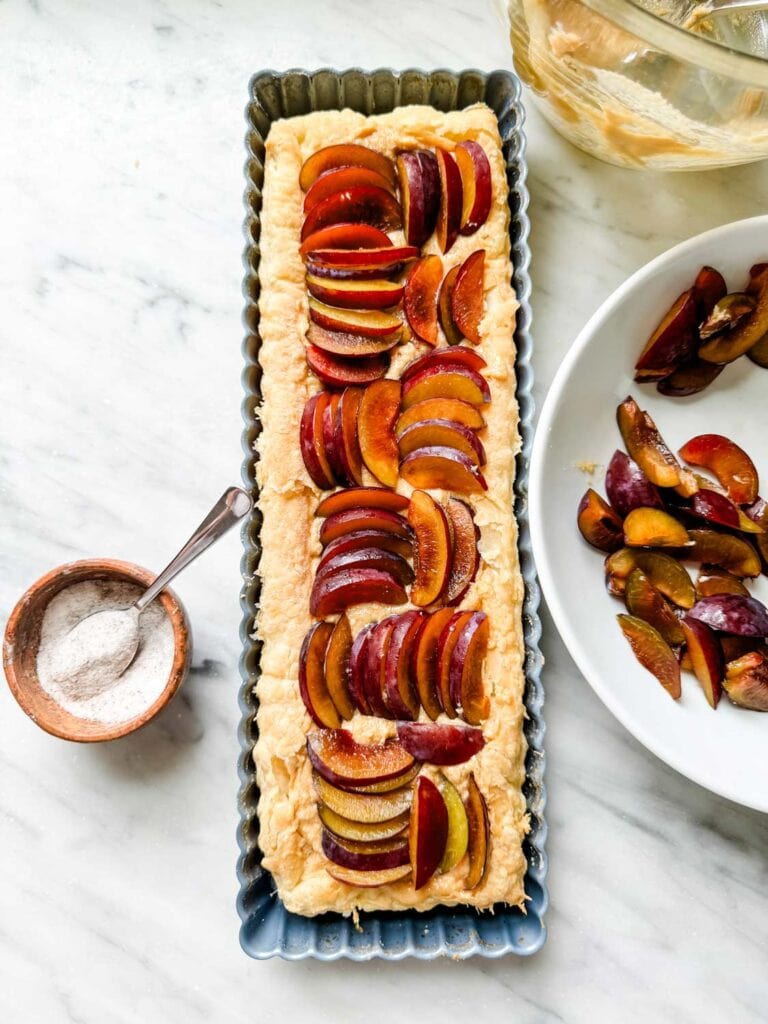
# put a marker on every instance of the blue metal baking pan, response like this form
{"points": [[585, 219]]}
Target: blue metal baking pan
{"points": [[267, 928]]}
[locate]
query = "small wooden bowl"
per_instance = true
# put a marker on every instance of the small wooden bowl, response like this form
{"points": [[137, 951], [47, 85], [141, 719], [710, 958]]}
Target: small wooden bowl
{"points": [[22, 638]]}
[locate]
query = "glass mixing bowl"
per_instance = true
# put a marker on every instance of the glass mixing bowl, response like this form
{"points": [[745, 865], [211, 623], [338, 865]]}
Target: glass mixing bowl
{"points": [[625, 81]]}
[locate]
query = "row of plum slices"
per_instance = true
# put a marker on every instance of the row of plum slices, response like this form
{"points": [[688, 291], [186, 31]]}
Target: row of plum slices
{"points": [[395, 667], [423, 427], [383, 821], [370, 534], [651, 523], [706, 328], [354, 269]]}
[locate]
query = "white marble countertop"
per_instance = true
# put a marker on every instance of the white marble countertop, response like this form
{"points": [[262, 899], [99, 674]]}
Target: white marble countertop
{"points": [[120, 199]]}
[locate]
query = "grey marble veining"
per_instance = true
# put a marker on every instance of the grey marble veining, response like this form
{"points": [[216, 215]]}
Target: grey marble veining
{"points": [[120, 201]]}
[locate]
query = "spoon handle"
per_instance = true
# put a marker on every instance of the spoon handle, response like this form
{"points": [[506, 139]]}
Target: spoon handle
{"points": [[229, 509], [711, 8]]}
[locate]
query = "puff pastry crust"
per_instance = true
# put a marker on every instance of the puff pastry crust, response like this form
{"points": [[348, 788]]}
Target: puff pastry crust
{"points": [[290, 830]]}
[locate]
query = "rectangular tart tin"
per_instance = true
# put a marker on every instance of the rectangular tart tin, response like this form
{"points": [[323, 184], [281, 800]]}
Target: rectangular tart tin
{"points": [[267, 929]]}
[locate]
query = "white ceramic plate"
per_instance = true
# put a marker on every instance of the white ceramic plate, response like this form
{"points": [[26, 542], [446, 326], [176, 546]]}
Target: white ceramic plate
{"points": [[725, 750]]}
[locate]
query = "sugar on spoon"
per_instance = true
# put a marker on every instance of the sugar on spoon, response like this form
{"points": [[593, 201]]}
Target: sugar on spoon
{"points": [[105, 642]]}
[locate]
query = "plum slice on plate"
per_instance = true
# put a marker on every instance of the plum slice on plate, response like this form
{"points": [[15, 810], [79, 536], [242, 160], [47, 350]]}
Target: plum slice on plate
{"points": [[653, 652], [628, 487], [734, 554], [724, 348], [708, 288], [706, 654], [732, 613], [758, 512], [759, 352], [689, 379], [664, 572], [646, 445], [731, 465], [714, 581], [652, 528], [746, 681], [673, 341], [713, 507], [645, 602], [598, 523], [726, 314]]}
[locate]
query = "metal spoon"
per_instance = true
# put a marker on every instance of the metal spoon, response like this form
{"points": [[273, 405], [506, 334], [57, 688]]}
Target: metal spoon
{"points": [[228, 510], [713, 8], [93, 651]]}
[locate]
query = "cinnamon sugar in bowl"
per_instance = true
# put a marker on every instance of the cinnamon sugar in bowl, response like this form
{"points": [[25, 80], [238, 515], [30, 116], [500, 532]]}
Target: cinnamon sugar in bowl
{"points": [[22, 644]]}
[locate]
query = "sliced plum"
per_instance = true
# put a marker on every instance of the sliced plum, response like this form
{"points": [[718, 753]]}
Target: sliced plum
{"points": [[732, 613], [653, 652], [664, 572], [647, 603], [731, 465], [672, 342], [628, 487], [707, 660]]}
